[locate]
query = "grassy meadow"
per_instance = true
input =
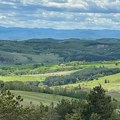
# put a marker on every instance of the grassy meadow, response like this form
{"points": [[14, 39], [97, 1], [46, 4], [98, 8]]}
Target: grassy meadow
{"points": [[37, 98], [113, 85]]}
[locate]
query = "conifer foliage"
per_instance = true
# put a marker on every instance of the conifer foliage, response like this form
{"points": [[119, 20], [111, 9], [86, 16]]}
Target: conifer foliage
{"points": [[98, 106]]}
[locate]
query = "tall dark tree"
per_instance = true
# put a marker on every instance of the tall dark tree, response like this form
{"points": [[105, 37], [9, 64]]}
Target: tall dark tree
{"points": [[99, 103]]}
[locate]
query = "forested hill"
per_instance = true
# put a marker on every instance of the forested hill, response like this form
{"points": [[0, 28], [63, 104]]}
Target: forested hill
{"points": [[55, 51]]}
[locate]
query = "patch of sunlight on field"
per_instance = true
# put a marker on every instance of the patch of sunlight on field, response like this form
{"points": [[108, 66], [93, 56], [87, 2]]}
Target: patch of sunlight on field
{"points": [[22, 78], [114, 84]]}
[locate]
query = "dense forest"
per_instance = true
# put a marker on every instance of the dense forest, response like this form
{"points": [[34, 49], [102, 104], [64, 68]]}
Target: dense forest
{"points": [[57, 51]]}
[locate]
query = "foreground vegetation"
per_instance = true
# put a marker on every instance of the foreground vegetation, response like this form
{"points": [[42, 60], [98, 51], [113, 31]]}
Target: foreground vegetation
{"points": [[89, 109]]}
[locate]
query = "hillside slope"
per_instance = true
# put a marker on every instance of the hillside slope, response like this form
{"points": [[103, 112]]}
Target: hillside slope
{"points": [[57, 51]]}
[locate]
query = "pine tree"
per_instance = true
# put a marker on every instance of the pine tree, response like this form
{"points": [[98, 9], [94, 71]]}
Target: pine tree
{"points": [[99, 103]]}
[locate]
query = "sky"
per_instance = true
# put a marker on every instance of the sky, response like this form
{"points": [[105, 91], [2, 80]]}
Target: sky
{"points": [[60, 14]]}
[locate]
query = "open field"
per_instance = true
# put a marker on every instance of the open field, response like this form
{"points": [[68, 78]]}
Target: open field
{"points": [[37, 98], [22, 78]]}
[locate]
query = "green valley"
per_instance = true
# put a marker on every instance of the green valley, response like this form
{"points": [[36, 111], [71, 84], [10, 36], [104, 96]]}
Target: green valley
{"points": [[35, 74], [47, 74]]}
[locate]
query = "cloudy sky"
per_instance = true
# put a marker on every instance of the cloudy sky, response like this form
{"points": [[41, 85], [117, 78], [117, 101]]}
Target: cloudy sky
{"points": [[60, 14]]}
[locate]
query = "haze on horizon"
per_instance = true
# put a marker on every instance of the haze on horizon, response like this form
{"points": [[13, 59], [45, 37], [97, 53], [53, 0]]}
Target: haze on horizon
{"points": [[61, 14]]}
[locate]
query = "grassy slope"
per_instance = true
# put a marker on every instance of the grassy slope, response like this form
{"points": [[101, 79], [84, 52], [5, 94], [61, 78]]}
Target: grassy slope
{"points": [[114, 84], [114, 79], [37, 98], [113, 87], [22, 78]]}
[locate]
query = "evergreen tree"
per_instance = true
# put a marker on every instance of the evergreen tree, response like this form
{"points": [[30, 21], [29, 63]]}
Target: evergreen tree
{"points": [[63, 108], [74, 116], [10, 108], [99, 103], [94, 116]]}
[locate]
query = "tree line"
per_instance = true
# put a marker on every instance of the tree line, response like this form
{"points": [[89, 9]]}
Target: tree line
{"points": [[83, 75], [33, 87]]}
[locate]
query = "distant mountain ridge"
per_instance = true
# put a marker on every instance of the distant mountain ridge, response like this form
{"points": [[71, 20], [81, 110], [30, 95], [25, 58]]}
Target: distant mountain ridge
{"points": [[16, 33]]}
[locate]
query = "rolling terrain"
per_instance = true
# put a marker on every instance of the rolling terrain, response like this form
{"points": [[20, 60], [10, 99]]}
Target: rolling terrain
{"points": [[69, 68], [51, 51], [39, 67]]}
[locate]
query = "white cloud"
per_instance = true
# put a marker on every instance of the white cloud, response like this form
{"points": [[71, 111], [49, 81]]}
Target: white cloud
{"points": [[61, 14]]}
